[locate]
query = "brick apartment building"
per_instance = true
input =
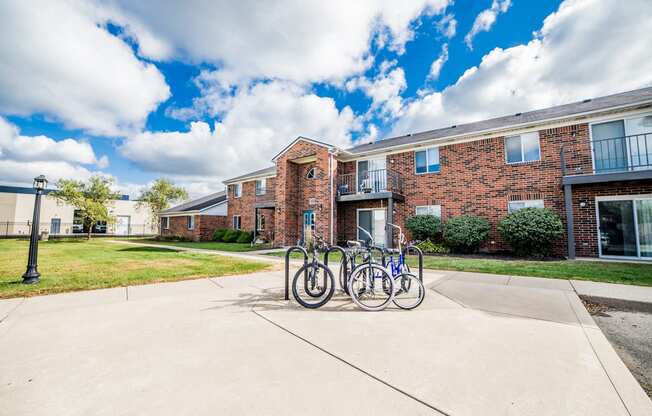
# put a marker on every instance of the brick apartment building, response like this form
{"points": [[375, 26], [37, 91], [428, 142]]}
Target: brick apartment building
{"points": [[196, 219], [590, 161]]}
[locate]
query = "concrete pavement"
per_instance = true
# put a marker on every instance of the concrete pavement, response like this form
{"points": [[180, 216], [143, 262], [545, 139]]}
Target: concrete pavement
{"points": [[230, 345]]}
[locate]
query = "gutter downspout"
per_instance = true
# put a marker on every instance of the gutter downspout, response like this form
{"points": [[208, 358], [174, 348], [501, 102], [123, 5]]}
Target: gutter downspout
{"points": [[330, 172]]}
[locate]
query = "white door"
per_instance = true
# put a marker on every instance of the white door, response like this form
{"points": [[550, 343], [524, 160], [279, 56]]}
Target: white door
{"points": [[122, 224], [373, 221]]}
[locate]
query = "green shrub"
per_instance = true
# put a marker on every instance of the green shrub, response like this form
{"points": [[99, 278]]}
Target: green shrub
{"points": [[531, 231], [231, 236], [172, 237], [466, 232], [218, 235], [245, 237], [424, 227], [429, 247]]}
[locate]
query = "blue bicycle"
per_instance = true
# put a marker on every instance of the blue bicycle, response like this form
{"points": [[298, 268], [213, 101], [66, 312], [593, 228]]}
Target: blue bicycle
{"points": [[409, 291]]}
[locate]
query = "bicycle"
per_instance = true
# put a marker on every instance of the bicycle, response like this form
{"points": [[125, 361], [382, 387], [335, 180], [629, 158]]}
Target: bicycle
{"points": [[309, 290], [369, 284], [410, 291]]}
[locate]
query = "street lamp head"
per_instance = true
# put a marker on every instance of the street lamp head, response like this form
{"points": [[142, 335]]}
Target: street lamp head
{"points": [[40, 182]]}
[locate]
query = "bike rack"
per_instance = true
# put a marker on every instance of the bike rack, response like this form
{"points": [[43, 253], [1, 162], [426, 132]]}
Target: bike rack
{"points": [[420, 254], [344, 264], [287, 266]]}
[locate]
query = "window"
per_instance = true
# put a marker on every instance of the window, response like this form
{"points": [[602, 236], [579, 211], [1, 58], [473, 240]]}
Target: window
{"points": [[260, 222], [516, 205], [261, 186], [427, 161], [429, 210], [165, 223], [523, 148], [312, 173], [237, 190], [191, 222], [236, 222]]}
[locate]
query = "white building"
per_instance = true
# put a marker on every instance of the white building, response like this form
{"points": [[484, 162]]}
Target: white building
{"points": [[57, 218]]}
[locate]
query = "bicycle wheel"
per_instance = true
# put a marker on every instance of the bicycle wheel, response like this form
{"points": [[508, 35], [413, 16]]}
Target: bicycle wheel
{"points": [[313, 285], [371, 287], [409, 292]]}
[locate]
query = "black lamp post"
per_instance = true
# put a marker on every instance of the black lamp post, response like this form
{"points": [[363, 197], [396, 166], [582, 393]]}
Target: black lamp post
{"points": [[32, 275]]}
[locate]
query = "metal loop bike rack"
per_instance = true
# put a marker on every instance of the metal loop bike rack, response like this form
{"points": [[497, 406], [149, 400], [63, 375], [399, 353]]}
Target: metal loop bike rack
{"points": [[287, 266], [420, 254], [344, 262]]}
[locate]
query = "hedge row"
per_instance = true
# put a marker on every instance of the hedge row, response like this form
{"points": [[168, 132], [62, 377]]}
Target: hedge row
{"points": [[529, 231], [233, 236]]}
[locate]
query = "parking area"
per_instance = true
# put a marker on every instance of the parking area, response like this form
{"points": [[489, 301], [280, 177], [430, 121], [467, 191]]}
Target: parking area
{"points": [[479, 344]]}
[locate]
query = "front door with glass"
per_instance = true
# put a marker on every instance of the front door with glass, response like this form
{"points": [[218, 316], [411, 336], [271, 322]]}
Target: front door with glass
{"points": [[625, 227], [308, 230]]}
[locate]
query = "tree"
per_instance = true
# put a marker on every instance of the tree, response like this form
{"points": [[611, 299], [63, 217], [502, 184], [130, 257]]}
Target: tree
{"points": [[91, 199], [159, 196]]}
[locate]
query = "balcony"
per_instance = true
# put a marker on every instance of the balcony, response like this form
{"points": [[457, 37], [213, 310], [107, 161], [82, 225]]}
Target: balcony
{"points": [[371, 184], [613, 159]]}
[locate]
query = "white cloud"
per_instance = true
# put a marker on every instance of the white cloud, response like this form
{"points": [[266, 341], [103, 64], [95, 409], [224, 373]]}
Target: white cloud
{"points": [[447, 25], [259, 122], [384, 90], [486, 19], [295, 40], [560, 65], [58, 60], [438, 64], [24, 157]]}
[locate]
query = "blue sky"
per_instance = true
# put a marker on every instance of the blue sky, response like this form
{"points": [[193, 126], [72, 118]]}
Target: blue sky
{"points": [[202, 91]]}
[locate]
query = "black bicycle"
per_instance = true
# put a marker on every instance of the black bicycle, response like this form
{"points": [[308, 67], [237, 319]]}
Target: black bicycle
{"points": [[314, 284]]}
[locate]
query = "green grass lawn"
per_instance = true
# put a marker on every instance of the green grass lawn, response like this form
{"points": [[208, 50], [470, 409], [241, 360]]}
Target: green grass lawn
{"points": [[597, 271], [204, 245], [69, 265]]}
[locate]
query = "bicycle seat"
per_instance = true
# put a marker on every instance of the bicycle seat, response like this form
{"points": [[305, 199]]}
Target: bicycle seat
{"points": [[392, 251], [353, 243]]}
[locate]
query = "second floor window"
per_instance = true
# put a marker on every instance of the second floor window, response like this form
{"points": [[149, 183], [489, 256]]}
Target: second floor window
{"points": [[522, 148], [427, 161], [261, 186], [237, 190]]}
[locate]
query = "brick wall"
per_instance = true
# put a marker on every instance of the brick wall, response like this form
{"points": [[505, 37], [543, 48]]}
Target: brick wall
{"points": [[203, 230], [586, 231]]}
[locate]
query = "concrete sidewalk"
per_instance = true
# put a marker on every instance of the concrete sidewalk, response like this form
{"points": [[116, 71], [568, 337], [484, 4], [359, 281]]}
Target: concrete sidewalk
{"points": [[479, 344]]}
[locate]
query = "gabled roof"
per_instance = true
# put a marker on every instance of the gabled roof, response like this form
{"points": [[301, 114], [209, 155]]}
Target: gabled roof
{"points": [[629, 98], [305, 139], [198, 204], [270, 171]]}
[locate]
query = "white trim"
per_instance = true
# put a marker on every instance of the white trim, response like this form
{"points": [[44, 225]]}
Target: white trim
{"points": [[239, 222], [305, 139], [241, 179], [416, 208], [237, 185], [623, 197], [214, 205], [263, 188]]}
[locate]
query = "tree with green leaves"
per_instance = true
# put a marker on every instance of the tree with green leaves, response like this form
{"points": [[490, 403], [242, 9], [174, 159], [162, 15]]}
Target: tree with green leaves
{"points": [[159, 196], [91, 198]]}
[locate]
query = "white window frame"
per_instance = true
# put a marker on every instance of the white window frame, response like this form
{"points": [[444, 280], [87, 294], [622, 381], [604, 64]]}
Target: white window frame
{"points": [[427, 149], [166, 223], [314, 173], [239, 222], [525, 202], [520, 136], [262, 190], [190, 222], [259, 218], [237, 190], [429, 208], [632, 198]]}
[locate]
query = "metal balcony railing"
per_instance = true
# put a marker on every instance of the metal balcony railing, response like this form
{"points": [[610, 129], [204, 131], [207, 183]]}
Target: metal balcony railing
{"points": [[611, 155], [372, 181]]}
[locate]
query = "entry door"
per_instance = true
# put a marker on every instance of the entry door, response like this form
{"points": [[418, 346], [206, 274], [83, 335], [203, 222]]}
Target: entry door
{"points": [[308, 230], [122, 224], [55, 226], [373, 221], [625, 228]]}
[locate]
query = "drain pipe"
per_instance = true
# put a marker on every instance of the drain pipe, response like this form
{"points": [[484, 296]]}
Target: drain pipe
{"points": [[330, 172]]}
